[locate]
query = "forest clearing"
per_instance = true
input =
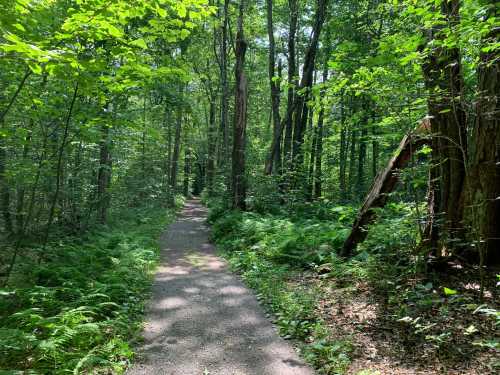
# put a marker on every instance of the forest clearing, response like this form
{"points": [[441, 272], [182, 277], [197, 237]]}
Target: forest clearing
{"points": [[269, 187]]}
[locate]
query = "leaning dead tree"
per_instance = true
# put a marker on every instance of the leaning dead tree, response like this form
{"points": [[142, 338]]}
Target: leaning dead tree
{"points": [[383, 185]]}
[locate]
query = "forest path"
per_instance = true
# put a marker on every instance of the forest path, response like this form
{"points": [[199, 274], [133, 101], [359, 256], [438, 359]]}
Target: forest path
{"points": [[202, 319]]}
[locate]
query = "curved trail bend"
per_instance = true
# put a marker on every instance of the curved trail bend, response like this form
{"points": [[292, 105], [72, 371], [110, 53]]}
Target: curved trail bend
{"points": [[202, 319]]}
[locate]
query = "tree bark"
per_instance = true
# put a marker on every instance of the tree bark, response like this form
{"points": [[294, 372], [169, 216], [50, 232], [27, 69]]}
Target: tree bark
{"points": [[343, 151], [238, 182], [4, 189], [211, 150], [175, 157], [300, 119], [187, 171], [318, 174], [274, 159], [292, 81], [224, 122], [103, 174], [444, 81], [482, 194]]}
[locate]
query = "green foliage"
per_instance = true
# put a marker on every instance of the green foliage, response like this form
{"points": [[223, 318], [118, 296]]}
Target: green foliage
{"points": [[88, 300], [270, 253]]}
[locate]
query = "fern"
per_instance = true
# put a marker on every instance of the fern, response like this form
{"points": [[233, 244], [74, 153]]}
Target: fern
{"points": [[90, 304]]}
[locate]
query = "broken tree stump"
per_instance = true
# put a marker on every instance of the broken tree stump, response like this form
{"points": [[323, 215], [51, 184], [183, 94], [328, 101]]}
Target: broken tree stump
{"points": [[383, 185]]}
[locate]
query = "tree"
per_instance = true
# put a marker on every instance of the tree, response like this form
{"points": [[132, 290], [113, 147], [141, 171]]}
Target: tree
{"points": [[238, 184]]}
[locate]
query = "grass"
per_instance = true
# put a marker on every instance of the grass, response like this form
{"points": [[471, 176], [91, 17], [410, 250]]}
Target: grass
{"points": [[78, 311]]}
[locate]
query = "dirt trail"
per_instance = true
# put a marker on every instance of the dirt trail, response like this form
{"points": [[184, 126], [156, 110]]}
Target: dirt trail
{"points": [[202, 319]]}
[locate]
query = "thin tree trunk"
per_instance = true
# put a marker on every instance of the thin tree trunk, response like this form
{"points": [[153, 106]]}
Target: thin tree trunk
{"points": [[343, 152], [59, 166], [300, 119], [375, 147], [292, 81], [224, 122], [361, 179], [4, 188], [240, 119], [103, 174], [318, 176], [352, 161], [274, 159], [175, 157], [187, 171], [210, 170]]}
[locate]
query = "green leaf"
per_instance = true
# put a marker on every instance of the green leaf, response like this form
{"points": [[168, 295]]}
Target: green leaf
{"points": [[139, 43], [35, 68], [449, 292]]}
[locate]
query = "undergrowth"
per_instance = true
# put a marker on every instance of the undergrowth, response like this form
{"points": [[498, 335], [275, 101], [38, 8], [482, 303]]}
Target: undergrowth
{"points": [[290, 259], [78, 310], [271, 253]]}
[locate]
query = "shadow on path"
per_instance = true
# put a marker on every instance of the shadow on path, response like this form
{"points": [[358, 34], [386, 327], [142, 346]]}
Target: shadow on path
{"points": [[202, 319]]}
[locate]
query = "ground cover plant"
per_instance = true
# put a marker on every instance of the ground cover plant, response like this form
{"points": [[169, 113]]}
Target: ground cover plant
{"points": [[79, 310], [378, 312]]}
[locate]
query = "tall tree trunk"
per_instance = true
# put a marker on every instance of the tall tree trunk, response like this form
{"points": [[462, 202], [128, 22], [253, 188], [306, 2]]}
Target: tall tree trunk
{"points": [[240, 118], [21, 191], [274, 160], [292, 81], [482, 193], [300, 107], [59, 167], [312, 160], [444, 81], [187, 171], [210, 170], [224, 122], [175, 157], [361, 179], [103, 174], [318, 176], [168, 158], [352, 162], [4, 188], [375, 147], [343, 151]]}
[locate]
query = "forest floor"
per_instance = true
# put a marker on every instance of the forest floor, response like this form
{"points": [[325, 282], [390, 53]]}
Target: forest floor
{"points": [[201, 318], [379, 313]]}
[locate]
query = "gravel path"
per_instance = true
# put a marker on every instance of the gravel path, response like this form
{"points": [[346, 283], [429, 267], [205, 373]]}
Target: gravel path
{"points": [[202, 319]]}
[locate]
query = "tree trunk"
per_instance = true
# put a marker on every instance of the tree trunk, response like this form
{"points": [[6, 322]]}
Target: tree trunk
{"points": [[360, 178], [175, 157], [343, 151], [274, 159], [444, 81], [187, 171], [375, 147], [300, 119], [103, 175], [352, 161], [482, 192], [211, 150], [318, 176], [292, 82], [224, 127], [238, 183], [4, 189]]}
